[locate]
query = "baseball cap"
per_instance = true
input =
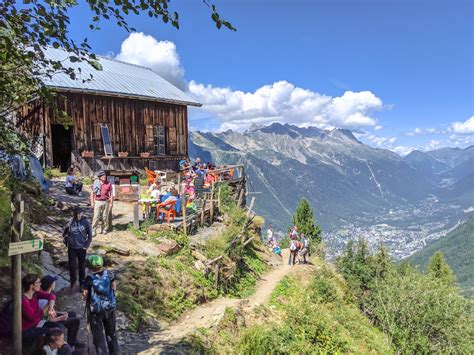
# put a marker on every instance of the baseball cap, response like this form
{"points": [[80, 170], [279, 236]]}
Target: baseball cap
{"points": [[47, 281], [77, 209], [101, 173], [96, 261]]}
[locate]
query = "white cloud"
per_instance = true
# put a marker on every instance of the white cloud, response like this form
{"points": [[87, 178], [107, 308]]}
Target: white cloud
{"points": [[284, 102], [424, 132], [161, 56], [402, 150], [378, 128], [433, 144], [466, 127]]}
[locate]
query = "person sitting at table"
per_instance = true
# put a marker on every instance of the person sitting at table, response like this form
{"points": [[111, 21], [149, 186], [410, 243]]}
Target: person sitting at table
{"points": [[188, 190], [156, 183]]}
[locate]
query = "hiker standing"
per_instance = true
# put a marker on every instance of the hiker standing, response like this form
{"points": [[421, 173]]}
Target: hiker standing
{"points": [[99, 293], [270, 239], [304, 248], [102, 201], [77, 237]]}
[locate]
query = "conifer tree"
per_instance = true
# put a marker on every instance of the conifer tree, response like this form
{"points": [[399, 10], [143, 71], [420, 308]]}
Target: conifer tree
{"points": [[438, 268], [304, 220]]}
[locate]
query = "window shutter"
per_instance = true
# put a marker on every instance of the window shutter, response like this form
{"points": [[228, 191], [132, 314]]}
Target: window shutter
{"points": [[97, 145], [149, 138], [172, 142]]}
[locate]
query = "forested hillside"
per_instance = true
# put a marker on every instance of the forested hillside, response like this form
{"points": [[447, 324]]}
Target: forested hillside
{"points": [[458, 249]]}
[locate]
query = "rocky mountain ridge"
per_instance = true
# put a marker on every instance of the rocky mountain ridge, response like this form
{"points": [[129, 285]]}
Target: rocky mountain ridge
{"points": [[344, 179]]}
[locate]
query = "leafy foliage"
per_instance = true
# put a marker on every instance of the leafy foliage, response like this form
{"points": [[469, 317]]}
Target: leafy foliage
{"points": [[421, 313], [458, 249], [439, 269], [304, 220]]}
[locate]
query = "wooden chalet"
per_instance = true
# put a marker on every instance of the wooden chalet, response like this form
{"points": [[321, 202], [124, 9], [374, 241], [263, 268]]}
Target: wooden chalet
{"points": [[127, 117]]}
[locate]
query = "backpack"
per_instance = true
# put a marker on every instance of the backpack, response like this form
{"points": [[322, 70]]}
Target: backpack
{"points": [[293, 245], [6, 315], [102, 296], [305, 242]]}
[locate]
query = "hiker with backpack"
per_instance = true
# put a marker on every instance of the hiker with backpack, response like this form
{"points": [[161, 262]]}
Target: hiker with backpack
{"points": [[304, 248], [99, 293], [33, 324], [295, 245], [78, 237]]}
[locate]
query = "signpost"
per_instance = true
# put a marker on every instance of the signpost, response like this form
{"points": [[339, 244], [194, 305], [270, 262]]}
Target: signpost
{"points": [[15, 249], [28, 246]]}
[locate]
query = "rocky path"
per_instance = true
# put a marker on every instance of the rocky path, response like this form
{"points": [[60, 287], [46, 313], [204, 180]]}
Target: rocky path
{"points": [[169, 340], [125, 247]]}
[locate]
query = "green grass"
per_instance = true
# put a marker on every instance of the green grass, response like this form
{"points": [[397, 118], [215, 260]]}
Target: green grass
{"points": [[307, 314]]}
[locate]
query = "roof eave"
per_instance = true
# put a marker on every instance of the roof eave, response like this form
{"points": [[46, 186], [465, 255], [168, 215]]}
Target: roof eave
{"points": [[122, 95]]}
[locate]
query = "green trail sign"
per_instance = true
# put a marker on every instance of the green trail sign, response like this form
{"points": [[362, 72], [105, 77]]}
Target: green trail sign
{"points": [[26, 246]]}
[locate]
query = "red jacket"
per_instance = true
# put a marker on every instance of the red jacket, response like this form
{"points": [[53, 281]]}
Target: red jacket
{"points": [[31, 312]]}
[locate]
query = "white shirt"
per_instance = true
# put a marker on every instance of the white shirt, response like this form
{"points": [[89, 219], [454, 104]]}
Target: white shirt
{"points": [[69, 180], [155, 194]]}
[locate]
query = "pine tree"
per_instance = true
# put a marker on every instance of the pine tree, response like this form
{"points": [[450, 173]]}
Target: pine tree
{"points": [[304, 220], [438, 268]]}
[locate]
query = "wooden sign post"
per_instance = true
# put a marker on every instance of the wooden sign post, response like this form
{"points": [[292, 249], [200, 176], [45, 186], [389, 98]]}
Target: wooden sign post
{"points": [[15, 249], [17, 208]]}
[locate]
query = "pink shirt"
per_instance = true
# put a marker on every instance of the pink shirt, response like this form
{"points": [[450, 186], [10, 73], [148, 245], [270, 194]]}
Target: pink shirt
{"points": [[31, 312], [105, 191]]}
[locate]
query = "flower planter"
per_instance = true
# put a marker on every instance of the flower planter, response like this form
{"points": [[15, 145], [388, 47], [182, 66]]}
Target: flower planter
{"points": [[145, 154], [87, 154], [122, 154]]}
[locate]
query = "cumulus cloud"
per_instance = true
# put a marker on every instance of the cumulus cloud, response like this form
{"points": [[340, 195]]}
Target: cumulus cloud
{"points": [[378, 128], [284, 102], [402, 150], [466, 127], [161, 56], [424, 132]]}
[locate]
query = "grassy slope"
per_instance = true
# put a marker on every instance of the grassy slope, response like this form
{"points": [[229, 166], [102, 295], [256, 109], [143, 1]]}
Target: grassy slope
{"points": [[307, 314], [458, 249]]}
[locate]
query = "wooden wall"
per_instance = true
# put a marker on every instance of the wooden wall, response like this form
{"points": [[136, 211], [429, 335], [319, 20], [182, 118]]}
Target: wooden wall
{"points": [[129, 122]]}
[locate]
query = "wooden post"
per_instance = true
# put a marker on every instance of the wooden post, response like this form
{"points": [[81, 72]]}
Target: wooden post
{"points": [[212, 203], [183, 207], [252, 202], [241, 197], [203, 209], [136, 216], [219, 198], [216, 271], [179, 183], [16, 234]]}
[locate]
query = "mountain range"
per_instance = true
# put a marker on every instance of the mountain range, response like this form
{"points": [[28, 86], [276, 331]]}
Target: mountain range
{"points": [[341, 177]]}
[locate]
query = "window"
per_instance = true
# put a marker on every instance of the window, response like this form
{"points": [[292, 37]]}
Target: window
{"points": [[159, 140]]}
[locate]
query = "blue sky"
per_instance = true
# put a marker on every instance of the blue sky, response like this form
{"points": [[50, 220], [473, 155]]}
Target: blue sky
{"points": [[400, 72]]}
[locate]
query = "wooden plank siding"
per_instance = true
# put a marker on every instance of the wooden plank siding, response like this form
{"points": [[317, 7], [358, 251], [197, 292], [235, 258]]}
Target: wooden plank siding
{"points": [[130, 124]]}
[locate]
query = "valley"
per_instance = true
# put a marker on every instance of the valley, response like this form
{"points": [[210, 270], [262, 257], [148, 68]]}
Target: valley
{"points": [[356, 191]]}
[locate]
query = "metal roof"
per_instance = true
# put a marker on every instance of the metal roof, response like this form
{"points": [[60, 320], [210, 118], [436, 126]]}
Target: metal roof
{"points": [[115, 79]]}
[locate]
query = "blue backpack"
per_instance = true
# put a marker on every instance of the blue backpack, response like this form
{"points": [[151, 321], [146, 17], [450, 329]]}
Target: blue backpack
{"points": [[102, 296]]}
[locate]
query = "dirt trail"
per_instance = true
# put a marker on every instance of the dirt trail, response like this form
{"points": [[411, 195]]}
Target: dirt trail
{"points": [[168, 340]]}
